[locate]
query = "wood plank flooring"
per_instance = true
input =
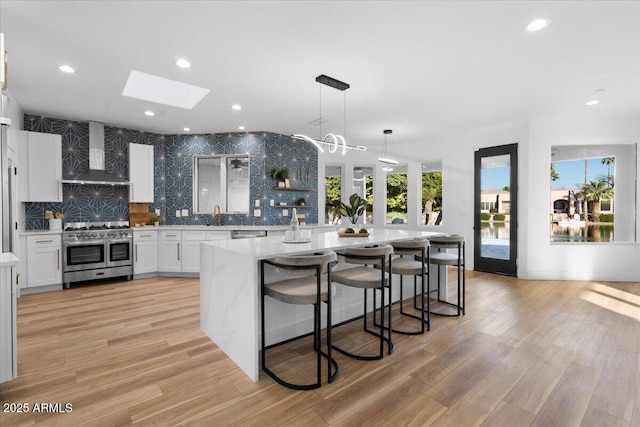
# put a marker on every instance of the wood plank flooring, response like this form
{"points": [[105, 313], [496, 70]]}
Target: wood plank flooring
{"points": [[549, 353]]}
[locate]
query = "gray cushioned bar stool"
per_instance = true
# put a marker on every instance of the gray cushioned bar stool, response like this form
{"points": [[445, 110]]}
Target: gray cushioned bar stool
{"points": [[413, 260], [439, 255], [367, 277], [311, 288]]}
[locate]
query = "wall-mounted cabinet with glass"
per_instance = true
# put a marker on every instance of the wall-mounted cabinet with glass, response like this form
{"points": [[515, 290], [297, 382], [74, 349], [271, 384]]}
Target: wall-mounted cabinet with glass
{"points": [[223, 181]]}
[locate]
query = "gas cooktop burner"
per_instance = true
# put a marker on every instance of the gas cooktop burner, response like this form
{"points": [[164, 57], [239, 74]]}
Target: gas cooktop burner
{"points": [[81, 226]]}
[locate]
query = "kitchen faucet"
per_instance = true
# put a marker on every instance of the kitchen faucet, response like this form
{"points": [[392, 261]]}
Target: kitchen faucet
{"points": [[217, 214]]}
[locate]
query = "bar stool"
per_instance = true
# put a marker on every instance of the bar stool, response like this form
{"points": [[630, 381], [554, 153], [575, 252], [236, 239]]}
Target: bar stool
{"points": [[413, 260], [312, 288], [367, 277], [442, 257]]}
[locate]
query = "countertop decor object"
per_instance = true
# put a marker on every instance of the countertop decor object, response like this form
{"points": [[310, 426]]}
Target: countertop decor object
{"points": [[344, 233], [356, 208]]}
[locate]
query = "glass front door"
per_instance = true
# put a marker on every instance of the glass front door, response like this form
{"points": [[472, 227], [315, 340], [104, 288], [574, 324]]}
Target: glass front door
{"points": [[495, 216]]}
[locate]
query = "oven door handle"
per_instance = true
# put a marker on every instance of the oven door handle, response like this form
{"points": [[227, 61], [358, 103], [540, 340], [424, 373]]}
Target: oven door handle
{"points": [[85, 242], [125, 240]]}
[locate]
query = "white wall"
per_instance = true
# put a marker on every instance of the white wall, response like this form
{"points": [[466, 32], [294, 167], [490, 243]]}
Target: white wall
{"points": [[588, 261], [15, 112], [538, 258]]}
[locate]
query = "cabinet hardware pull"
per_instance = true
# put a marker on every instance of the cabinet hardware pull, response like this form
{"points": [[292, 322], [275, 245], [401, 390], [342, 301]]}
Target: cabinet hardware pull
{"points": [[178, 251], [136, 252], [170, 235], [145, 235], [44, 241], [58, 253]]}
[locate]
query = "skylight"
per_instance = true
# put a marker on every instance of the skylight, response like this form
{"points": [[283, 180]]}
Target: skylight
{"points": [[148, 87]]}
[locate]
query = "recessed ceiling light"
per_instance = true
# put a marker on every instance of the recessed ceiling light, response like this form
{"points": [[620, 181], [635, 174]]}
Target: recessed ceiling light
{"points": [[183, 63], [186, 129], [591, 102], [236, 107], [538, 24], [149, 113], [241, 127], [67, 69]]}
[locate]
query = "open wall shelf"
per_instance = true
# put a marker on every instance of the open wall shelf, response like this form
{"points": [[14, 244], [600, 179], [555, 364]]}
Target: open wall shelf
{"points": [[291, 189]]}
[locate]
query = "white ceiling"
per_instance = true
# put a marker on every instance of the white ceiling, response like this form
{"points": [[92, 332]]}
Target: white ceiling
{"points": [[422, 69]]}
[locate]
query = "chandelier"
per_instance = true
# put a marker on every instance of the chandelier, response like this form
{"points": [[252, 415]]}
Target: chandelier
{"points": [[334, 142], [387, 142]]}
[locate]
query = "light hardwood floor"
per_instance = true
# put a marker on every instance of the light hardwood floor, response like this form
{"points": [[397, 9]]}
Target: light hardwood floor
{"points": [[527, 353]]}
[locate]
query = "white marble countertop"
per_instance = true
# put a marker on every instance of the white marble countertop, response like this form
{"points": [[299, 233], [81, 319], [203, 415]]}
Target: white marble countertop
{"points": [[230, 304], [270, 247], [8, 259]]}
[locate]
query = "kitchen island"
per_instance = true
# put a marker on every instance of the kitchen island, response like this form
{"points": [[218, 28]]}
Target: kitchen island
{"points": [[230, 291]]}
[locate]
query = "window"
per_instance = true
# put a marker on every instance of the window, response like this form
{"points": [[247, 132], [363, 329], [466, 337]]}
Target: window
{"points": [[333, 191], [221, 181], [397, 196], [593, 196], [431, 194], [363, 186]]}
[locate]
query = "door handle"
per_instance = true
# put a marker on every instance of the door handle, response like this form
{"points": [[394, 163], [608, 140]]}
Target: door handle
{"points": [[136, 252], [178, 251], [58, 255]]}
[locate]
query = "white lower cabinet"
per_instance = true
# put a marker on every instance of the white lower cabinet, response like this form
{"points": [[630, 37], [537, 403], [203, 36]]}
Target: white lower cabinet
{"points": [[145, 251], [191, 250], [44, 260], [8, 320], [170, 251]]}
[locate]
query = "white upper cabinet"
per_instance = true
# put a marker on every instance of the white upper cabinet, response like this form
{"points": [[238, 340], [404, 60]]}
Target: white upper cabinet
{"points": [[141, 173], [40, 170]]}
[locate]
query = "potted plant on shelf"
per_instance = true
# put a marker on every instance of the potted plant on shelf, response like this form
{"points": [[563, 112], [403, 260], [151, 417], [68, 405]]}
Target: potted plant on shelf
{"points": [[301, 202], [355, 209], [282, 176]]}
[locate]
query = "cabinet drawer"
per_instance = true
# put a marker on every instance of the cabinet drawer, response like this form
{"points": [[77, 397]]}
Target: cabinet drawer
{"points": [[143, 236], [170, 235], [218, 235], [44, 241], [194, 235]]}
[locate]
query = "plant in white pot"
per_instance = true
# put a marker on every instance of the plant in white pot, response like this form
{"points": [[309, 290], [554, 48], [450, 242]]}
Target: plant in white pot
{"points": [[355, 209]]}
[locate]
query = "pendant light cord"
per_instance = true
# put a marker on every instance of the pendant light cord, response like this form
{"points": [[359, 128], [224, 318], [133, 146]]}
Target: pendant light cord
{"points": [[320, 118], [345, 115]]}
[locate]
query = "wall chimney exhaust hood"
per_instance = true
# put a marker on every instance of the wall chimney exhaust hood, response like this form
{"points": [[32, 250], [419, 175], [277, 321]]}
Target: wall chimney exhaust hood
{"points": [[96, 173]]}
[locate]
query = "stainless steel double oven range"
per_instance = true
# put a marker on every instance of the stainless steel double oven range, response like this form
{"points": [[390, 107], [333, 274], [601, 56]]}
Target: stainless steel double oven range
{"points": [[96, 250]]}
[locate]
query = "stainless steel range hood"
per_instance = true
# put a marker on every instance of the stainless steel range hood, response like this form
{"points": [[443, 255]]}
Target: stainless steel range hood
{"points": [[96, 173]]}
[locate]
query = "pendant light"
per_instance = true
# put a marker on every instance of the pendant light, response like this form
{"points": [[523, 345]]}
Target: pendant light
{"points": [[330, 140], [387, 143]]}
